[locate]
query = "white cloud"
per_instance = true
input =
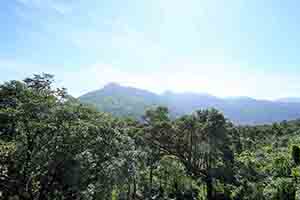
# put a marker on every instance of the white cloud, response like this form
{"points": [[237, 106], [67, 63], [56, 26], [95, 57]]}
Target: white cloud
{"points": [[179, 76], [165, 69], [216, 79]]}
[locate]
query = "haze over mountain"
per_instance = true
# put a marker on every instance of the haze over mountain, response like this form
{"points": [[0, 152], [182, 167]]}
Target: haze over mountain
{"points": [[290, 100], [130, 101]]}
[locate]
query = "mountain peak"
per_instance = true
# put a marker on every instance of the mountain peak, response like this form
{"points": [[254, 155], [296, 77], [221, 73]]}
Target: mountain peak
{"points": [[130, 101], [112, 85]]}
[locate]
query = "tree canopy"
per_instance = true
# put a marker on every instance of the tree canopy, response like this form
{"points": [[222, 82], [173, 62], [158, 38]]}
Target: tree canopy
{"points": [[54, 147]]}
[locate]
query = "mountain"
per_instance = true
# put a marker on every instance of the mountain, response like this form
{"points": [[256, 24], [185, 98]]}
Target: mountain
{"points": [[289, 100], [129, 101], [122, 101]]}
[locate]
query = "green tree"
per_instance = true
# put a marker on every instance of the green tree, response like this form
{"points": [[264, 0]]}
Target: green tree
{"points": [[199, 141]]}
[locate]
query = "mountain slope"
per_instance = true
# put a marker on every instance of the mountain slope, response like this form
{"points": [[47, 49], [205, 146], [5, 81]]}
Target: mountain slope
{"points": [[289, 100], [129, 101], [121, 101]]}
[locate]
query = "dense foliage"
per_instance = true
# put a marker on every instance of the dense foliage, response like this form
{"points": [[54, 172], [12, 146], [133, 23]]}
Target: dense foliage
{"points": [[53, 147]]}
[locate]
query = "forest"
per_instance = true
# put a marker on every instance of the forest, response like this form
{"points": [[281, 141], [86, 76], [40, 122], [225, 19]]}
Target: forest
{"points": [[53, 147]]}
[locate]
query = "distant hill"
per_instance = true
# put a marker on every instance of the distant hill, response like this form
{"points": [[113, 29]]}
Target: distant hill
{"points": [[122, 101], [289, 100], [129, 101]]}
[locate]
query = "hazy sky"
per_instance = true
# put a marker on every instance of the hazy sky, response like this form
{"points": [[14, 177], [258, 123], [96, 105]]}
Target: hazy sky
{"points": [[222, 47]]}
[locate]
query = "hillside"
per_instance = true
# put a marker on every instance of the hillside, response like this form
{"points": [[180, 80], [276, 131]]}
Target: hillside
{"points": [[122, 101], [54, 147], [129, 101]]}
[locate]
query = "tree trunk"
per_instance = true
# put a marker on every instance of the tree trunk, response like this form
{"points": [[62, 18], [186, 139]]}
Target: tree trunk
{"points": [[151, 179], [128, 192], [209, 188], [134, 189]]}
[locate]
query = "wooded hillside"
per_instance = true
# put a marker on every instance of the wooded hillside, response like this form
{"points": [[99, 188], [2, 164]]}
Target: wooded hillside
{"points": [[54, 147]]}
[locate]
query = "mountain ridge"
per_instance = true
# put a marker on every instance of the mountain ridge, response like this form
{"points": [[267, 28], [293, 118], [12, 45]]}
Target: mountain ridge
{"points": [[289, 100], [130, 101]]}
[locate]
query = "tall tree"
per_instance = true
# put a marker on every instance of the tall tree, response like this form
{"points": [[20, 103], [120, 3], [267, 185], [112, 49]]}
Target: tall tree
{"points": [[200, 141]]}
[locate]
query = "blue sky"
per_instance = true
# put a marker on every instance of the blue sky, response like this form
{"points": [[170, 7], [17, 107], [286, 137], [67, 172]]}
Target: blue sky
{"points": [[222, 47]]}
